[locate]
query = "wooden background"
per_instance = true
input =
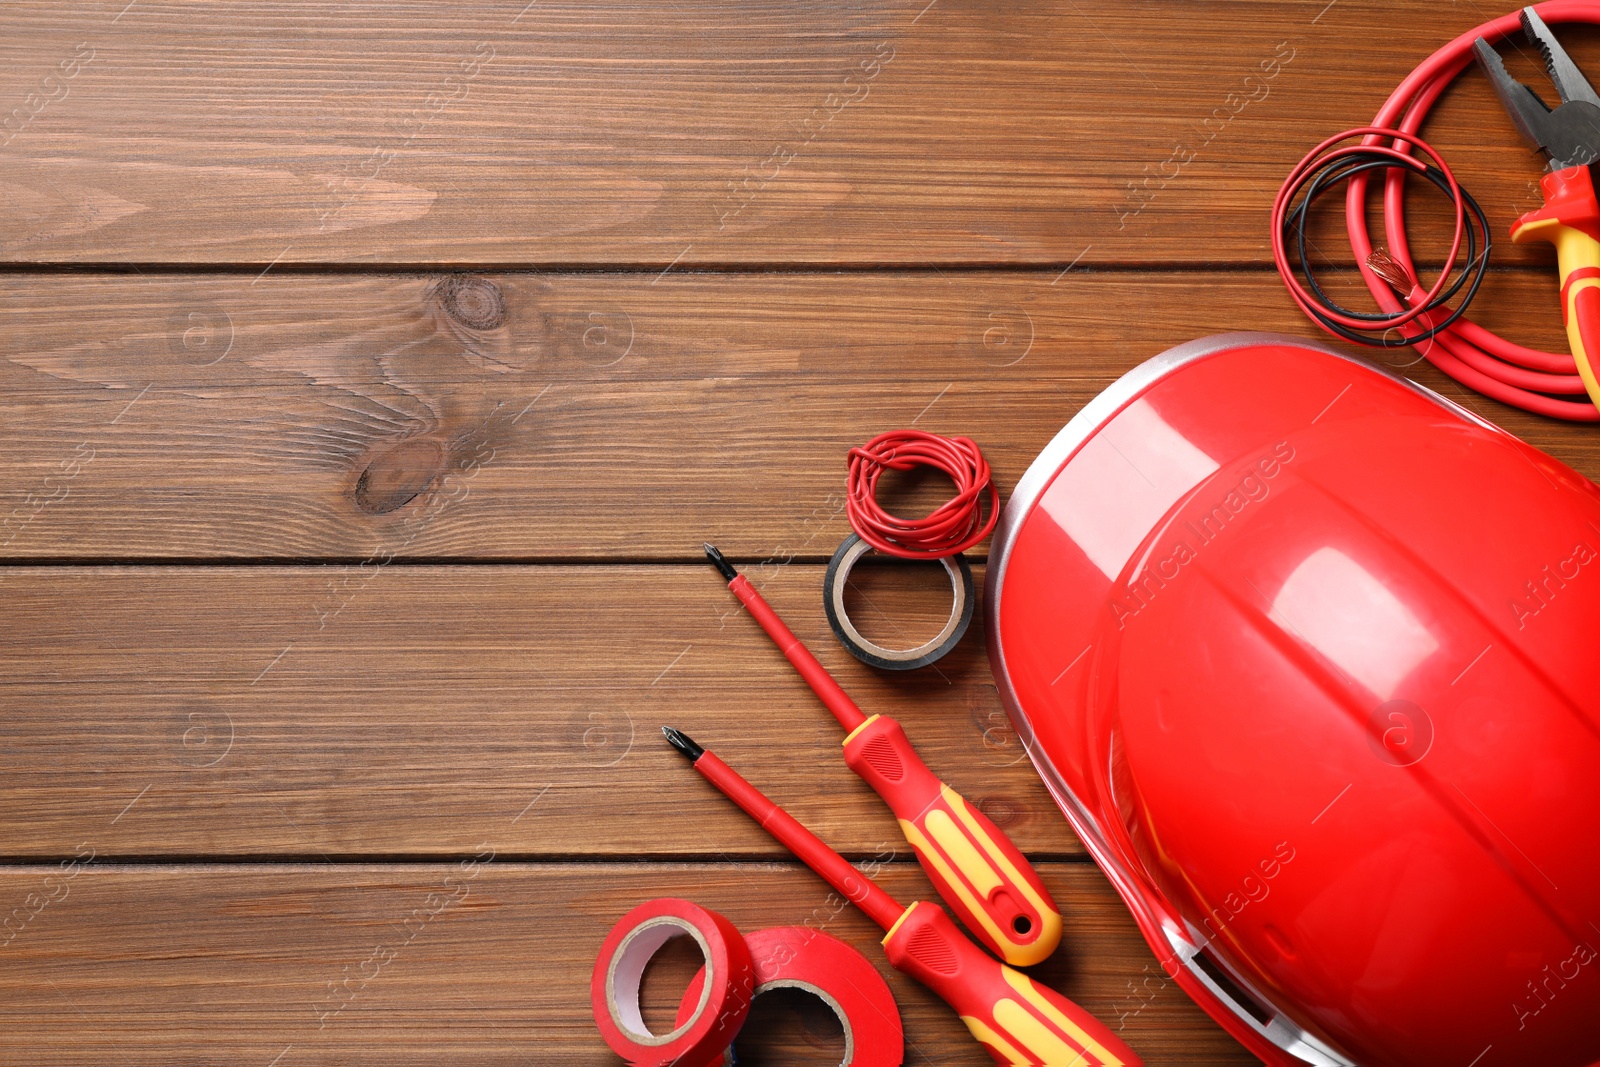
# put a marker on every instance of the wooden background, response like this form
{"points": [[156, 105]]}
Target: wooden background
{"points": [[372, 374]]}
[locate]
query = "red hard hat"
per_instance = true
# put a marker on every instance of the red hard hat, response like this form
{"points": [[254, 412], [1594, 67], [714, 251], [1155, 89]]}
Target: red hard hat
{"points": [[1306, 653]]}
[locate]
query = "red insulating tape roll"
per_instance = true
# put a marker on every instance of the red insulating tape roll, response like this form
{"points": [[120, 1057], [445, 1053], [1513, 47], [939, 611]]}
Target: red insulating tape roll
{"points": [[795, 957], [713, 1010]]}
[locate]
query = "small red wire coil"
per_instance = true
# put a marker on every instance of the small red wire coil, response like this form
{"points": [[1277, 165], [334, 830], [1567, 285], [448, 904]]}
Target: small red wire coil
{"points": [[954, 526]]}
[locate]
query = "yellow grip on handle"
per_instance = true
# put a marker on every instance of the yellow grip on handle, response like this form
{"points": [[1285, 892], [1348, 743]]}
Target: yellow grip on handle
{"points": [[1569, 198], [973, 865], [1018, 1020], [984, 878]]}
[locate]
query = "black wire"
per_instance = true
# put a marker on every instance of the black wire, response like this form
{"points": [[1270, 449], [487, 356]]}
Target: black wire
{"points": [[1381, 163], [1329, 171], [1343, 168], [1387, 321], [1326, 176], [1332, 174]]}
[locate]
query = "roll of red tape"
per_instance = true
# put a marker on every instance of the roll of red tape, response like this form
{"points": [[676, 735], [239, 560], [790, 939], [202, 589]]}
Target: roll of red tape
{"points": [[796, 957], [712, 1011]]}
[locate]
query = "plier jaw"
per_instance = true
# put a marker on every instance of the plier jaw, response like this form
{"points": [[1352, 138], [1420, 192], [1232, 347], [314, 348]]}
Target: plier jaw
{"points": [[1569, 134]]}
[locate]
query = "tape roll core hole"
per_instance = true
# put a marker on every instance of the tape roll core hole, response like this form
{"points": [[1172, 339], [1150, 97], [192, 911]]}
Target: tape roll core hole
{"points": [[800, 998], [627, 974], [924, 583], [906, 607]]}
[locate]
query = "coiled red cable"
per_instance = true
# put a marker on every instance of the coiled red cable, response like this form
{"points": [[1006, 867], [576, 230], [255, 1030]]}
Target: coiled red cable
{"points": [[1472, 355], [954, 526]]}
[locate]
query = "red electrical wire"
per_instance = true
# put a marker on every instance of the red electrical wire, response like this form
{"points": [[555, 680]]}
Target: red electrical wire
{"points": [[1472, 355], [954, 526], [1326, 153]]}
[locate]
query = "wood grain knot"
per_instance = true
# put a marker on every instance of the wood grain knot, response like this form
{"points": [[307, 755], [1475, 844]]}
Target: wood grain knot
{"points": [[395, 477], [476, 303], [1002, 810]]}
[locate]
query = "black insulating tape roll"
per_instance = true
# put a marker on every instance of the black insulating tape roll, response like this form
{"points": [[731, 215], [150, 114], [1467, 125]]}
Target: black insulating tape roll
{"points": [[893, 659]]}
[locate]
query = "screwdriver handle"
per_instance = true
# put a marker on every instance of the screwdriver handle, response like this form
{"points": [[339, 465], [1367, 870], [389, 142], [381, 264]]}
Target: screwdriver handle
{"points": [[1017, 1019], [986, 881], [1570, 220]]}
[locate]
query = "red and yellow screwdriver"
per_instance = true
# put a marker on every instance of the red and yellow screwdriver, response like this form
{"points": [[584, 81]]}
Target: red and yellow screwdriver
{"points": [[1017, 1019], [972, 864]]}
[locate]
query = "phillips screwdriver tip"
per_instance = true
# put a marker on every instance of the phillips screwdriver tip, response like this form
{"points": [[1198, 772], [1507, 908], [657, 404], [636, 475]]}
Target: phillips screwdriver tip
{"points": [[683, 743], [719, 561]]}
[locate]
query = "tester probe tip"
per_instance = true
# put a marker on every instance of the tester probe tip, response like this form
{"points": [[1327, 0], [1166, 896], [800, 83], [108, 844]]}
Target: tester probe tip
{"points": [[682, 741], [719, 561]]}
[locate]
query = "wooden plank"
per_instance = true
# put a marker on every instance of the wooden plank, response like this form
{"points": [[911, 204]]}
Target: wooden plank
{"points": [[587, 416], [412, 710], [201, 963], [492, 132]]}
